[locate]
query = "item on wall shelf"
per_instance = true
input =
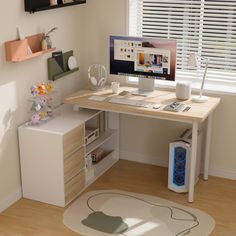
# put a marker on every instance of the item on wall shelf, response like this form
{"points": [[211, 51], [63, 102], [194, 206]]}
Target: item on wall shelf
{"points": [[59, 58], [53, 2], [42, 107], [33, 6], [72, 63], [46, 42], [22, 37], [97, 75], [55, 71], [18, 50]]}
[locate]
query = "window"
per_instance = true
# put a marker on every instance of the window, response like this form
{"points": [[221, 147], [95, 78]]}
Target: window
{"points": [[205, 27]]}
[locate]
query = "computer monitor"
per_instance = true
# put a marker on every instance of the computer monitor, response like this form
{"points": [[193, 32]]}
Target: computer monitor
{"points": [[145, 58]]}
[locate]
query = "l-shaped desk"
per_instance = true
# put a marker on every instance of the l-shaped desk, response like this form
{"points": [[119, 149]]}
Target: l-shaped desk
{"points": [[198, 113]]}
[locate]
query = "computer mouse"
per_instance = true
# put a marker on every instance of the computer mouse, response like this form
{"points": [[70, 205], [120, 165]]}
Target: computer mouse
{"points": [[123, 93], [156, 106]]}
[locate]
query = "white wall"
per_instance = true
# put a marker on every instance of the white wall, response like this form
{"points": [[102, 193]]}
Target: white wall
{"points": [[16, 79], [148, 138]]}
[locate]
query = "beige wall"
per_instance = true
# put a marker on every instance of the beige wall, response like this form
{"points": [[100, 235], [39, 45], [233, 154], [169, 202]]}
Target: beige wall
{"points": [[16, 79], [142, 137]]}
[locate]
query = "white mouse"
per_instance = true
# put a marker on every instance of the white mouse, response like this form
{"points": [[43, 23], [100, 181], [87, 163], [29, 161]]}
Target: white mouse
{"points": [[156, 106]]}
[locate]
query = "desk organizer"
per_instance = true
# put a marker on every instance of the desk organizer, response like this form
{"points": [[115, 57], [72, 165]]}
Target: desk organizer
{"points": [[17, 50], [55, 71]]}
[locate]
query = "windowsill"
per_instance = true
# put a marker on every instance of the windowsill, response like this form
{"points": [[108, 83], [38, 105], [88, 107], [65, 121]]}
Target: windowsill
{"points": [[209, 87]]}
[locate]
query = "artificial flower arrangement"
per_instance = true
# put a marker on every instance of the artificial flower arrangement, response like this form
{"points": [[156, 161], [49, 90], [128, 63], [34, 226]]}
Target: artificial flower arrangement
{"points": [[42, 102]]}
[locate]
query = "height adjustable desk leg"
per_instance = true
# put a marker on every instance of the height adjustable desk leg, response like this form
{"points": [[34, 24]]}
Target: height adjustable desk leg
{"points": [[193, 162], [207, 148]]}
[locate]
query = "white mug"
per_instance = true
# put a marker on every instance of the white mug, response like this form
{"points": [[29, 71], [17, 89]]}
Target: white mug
{"points": [[115, 87]]}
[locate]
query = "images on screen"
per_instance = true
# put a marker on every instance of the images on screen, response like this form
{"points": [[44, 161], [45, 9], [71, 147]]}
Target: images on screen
{"points": [[143, 57]]}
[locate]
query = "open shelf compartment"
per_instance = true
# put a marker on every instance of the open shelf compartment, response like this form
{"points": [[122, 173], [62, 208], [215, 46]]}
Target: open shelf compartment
{"points": [[54, 69], [17, 50], [101, 140], [100, 168]]}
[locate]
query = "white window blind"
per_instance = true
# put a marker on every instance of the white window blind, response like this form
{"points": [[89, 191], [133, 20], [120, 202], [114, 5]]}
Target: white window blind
{"points": [[205, 27]]}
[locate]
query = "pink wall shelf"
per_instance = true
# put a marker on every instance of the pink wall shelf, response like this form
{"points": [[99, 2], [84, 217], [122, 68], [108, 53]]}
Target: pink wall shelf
{"points": [[17, 50]]}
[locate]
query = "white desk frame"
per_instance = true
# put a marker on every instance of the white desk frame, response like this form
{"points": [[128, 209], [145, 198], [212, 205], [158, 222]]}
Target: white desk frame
{"points": [[82, 101]]}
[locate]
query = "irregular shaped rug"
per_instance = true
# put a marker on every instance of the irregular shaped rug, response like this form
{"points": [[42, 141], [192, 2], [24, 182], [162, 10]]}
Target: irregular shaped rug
{"points": [[114, 212]]}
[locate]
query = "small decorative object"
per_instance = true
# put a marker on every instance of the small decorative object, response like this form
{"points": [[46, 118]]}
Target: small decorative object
{"points": [[21, 36], [53, 2], [42, 102], [97, 155], [72, 63], [46, 42], [59, 58], [193, 62], [97, 75], [35, 119], [41, 89]]}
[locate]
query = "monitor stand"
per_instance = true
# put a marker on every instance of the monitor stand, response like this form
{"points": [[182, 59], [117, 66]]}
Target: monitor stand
{"points": [[146, 87]]}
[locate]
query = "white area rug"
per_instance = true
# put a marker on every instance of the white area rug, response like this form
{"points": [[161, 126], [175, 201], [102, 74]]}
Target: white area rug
{"points": [[114, 212]]}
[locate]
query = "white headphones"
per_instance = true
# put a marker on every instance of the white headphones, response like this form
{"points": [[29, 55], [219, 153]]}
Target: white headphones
{"points": [[97, 75]]}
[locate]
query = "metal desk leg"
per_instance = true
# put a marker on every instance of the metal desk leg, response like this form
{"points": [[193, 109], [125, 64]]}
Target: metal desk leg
{"points": [[193, 162], [207, 148]]}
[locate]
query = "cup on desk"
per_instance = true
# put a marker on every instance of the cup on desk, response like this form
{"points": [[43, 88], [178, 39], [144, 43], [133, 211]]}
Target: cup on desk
{"points": [[115, 87]]}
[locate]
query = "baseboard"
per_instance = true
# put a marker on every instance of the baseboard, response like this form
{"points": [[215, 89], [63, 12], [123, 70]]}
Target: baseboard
{"points": [[10, 199], [154, 160], [141, 158], [227, 174]]}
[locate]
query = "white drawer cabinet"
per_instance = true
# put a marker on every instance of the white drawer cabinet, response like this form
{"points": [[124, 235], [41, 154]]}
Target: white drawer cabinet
{"points": [[52, 157]]}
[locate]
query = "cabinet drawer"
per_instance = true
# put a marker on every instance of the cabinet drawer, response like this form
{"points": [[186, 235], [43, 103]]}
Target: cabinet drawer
{"points": [[74, 164], [74, 186], [73, 140]]}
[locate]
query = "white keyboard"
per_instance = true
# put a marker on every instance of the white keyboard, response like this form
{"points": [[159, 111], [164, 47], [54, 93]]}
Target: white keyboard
{"points": [[130, 102]]}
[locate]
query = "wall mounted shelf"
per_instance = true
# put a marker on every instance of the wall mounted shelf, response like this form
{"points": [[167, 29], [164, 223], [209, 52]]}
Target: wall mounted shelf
{"points": [[33, 6], [17, 50], [54, 69]]}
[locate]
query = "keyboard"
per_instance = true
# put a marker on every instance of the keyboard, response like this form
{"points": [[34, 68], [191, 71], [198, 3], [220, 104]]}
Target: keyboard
{"points": [[130, 102]]}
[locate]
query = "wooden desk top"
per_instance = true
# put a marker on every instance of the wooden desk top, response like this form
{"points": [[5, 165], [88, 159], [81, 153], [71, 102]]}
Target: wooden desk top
{"points": [[198, 112]]}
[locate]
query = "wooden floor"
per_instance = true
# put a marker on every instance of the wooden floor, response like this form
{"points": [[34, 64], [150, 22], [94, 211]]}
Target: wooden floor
{"points": [[216, 197]]}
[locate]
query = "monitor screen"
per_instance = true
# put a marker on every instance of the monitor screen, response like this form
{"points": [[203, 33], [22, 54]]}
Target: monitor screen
{"points": [[143, 57]]}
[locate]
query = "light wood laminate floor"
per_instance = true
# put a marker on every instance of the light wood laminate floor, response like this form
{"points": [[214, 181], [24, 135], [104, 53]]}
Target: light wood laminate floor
{"points": [[216, 197]]}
